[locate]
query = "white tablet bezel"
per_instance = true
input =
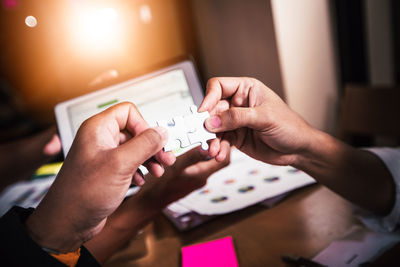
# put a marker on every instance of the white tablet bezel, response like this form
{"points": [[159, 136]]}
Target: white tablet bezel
{"points": [[61, 110]]}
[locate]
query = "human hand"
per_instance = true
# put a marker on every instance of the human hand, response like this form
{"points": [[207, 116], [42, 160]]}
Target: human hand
{"points": [[255, 120], [190, 172], [100, 166]]}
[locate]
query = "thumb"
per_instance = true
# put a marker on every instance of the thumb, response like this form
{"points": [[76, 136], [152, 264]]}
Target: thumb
{"points": [[189, 158], [143, 146], [232, 119]]}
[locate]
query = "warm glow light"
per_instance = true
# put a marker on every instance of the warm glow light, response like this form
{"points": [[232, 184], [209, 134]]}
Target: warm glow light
{"points": [[97, 28], [31, 21]]}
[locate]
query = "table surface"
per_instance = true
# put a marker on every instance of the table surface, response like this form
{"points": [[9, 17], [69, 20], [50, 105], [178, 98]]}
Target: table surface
{"points": [[302, 224]]}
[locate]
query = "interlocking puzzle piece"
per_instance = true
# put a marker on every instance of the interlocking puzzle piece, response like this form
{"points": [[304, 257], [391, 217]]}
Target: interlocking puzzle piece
{"points": [[187, 130], [177, 133], [197, 132]]}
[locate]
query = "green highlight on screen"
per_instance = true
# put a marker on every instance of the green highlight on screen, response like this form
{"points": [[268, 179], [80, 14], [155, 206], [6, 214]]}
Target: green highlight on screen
{"points": [[107, 103]]}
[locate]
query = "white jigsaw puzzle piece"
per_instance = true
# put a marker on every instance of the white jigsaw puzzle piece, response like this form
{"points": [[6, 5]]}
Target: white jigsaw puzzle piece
{"points": [[177, 133], [187, 130], [197, 133]]}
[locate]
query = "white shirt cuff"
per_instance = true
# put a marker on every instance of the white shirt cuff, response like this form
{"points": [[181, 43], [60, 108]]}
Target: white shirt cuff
{"points": [[388, 223]]}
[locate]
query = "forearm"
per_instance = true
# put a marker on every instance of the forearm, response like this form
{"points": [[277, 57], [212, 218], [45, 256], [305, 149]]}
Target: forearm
{"points": [[357, 175], [121, 227]]}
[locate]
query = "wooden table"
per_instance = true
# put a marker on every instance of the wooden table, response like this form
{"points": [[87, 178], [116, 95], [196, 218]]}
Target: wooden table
{"points": [[303, 224]]}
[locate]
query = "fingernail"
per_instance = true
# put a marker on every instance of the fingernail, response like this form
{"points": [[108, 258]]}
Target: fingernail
{"points": [[214, 122], [162, 132]]}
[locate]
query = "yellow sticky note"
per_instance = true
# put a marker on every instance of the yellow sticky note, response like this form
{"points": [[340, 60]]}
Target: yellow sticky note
{"points": [[49, 169]]}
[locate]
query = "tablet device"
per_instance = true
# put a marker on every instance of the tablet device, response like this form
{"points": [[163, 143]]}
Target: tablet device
{"points": [[159, 95]]}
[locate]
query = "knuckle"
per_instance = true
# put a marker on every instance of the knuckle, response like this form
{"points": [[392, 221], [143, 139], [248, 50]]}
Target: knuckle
{"points": [[132, 105], [90, 125], [211, 83], [86, 123], [227, 160], [127, 104], [212, 80], [234, 116], [247, 81], [252, 82]]}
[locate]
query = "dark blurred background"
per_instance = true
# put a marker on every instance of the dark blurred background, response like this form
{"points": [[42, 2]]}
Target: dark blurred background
{"points": [[312, 53]]}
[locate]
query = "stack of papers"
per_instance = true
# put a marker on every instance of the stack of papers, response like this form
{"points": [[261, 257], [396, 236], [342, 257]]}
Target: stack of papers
{"points": [[243, 183]]}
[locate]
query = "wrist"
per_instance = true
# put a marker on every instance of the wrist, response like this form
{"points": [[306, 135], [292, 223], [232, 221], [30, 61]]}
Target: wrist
{"points": [[51, 236], [132, 215], [312, 151]]}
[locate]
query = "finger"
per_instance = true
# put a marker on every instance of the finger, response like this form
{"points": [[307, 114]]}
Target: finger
{"points": [[134, 125], [142, 147], [165, 158], [221, 106], [232, 119], [222, 88], [138, 179], [191, 157], [206, 168], [155, 164], [224, 152], [216, 87], [154, 167], [124, 136], [126, 116], [214, 147], [53, 147]]}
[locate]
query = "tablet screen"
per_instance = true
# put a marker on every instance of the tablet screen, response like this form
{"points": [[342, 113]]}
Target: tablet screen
{"points": [[158, 98]]}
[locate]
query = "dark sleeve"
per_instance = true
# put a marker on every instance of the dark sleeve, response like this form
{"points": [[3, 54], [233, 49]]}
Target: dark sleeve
{"points": [[18, 248]]}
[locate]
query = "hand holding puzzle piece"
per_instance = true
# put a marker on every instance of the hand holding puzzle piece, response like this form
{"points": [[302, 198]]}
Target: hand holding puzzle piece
{"points": [[187, 130]]}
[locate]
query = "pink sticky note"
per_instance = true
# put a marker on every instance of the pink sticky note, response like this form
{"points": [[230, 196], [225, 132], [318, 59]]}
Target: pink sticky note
{"points": [[218, 252]]}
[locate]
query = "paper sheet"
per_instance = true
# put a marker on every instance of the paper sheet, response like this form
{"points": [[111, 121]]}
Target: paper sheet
{"points": [[28, 194], [359, 246], [245, 182], [24, 194]]}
